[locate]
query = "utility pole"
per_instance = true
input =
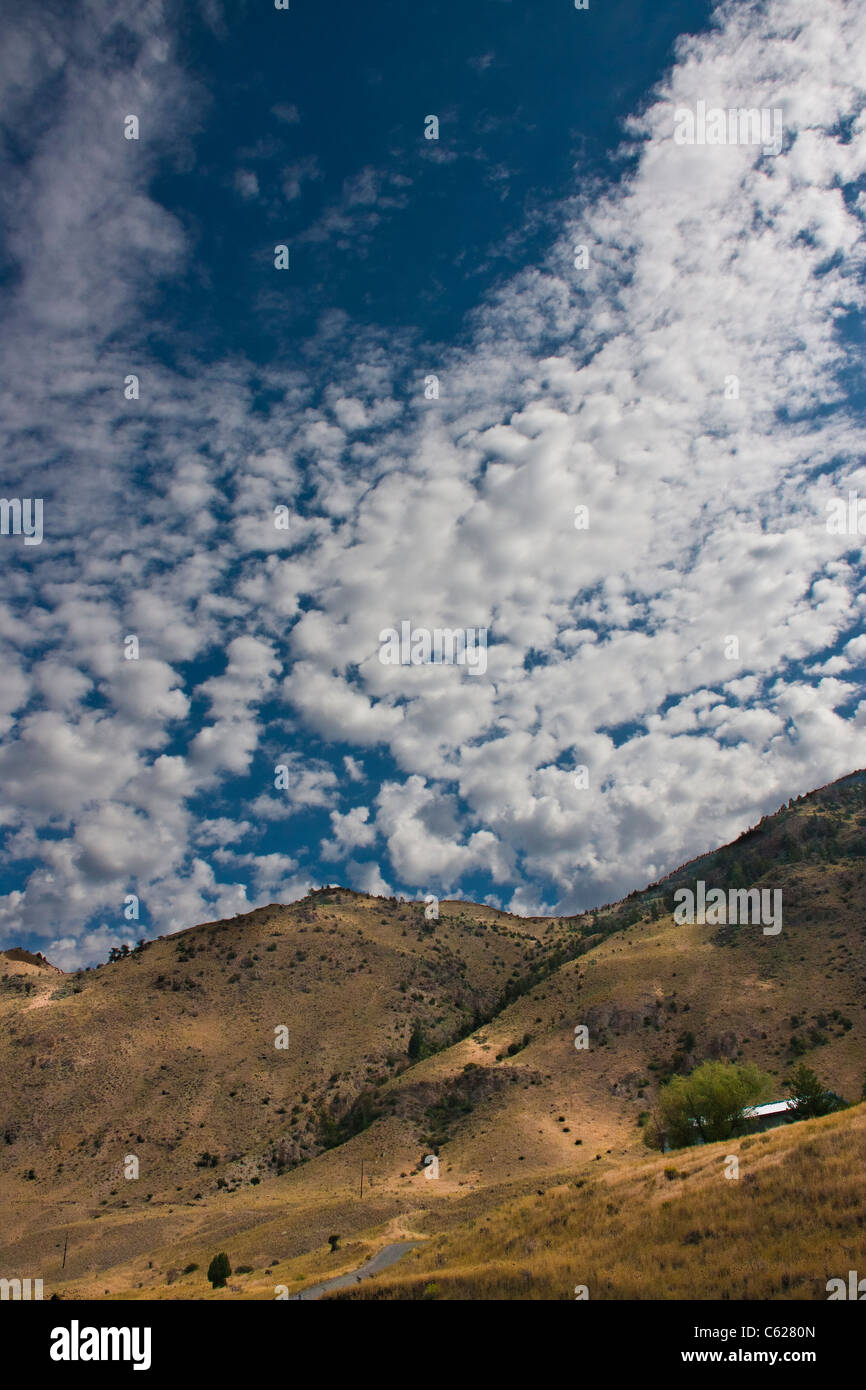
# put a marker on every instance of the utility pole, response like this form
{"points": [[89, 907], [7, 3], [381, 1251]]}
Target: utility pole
{"points": [[362, 1178], [65, 1243]]}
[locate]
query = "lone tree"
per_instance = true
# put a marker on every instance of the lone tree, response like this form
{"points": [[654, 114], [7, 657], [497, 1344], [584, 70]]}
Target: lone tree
{"points": [[416, 1043], [219, 1270], [709, 1104], [811, 1098], [334, 1242]]}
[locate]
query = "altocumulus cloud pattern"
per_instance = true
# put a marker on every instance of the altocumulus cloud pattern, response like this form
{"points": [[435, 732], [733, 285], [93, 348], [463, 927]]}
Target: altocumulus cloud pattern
{"points": [[287, 364]]}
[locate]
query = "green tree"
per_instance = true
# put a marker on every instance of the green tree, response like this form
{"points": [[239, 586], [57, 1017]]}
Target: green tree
{"points": [[416, 1043], [811, 1097], [334, 1242], [709, 1104], [219, 1270]]}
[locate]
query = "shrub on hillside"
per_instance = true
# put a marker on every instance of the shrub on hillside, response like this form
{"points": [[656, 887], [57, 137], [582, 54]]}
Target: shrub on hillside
{"points": [[219, 1270]]}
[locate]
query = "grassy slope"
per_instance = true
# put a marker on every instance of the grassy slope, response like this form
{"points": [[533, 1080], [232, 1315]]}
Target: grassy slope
{"points": [[669, 1227], [87, 1071]]}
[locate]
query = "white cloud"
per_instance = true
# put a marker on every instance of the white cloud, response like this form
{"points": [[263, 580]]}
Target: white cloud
{"points": [[350, 831], [310, 784], [90, 948], [603, 388]]}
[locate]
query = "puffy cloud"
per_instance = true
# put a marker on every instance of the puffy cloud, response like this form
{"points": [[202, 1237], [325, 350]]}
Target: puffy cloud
{"points": [[90, 948], [694, 644], [421, 826], [248, 677], [221, 831], [303, 784], [367, 878], [350, 831], [335, 709]]}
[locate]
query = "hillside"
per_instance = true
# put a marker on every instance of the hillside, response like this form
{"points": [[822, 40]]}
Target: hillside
{"points": [[406, 1037], [669, 1227]]}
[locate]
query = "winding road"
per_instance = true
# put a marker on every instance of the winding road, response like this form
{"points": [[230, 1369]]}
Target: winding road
{"points": [[388, 1255]]}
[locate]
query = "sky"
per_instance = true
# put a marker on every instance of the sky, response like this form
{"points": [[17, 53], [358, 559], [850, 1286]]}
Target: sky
{"points": [[541, 368]]}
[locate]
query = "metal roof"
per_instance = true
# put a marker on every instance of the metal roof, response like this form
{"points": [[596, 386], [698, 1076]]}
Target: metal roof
{"points": [[774, 1107]]}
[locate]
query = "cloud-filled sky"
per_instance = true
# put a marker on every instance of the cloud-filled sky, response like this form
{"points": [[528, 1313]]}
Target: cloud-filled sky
{"points": [[625, 478]]}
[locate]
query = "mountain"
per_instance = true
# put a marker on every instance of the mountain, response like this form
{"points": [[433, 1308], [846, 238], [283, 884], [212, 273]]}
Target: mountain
{"points": [[407, 1037]]}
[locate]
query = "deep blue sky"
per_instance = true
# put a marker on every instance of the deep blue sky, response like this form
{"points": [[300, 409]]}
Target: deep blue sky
{"points": [[530, 98]]}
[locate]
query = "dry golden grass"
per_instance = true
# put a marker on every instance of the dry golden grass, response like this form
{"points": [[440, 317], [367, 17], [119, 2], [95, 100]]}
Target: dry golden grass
{"points": [[793, 1219]]}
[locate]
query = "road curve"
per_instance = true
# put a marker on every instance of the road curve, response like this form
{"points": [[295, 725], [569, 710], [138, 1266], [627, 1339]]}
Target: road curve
{"points": [[388, 1255]]}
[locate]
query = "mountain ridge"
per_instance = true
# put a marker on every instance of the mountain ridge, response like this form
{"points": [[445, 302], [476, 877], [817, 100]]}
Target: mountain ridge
{"points": [[407, 1038]]}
